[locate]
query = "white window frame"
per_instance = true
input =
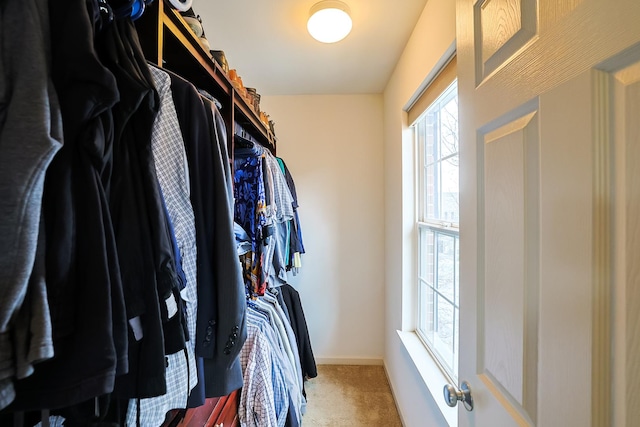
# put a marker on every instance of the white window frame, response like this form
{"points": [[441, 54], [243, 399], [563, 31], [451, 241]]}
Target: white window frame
{"points": [[438, 227], [430, 372]]}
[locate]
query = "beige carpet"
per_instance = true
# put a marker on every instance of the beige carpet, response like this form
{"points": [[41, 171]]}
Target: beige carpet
{"points": [[344, 395]]}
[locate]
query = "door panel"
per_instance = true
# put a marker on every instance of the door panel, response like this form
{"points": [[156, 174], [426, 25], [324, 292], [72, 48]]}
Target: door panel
{"points": [[509, 231], [502, 28], [536, 208], [566, 245]]}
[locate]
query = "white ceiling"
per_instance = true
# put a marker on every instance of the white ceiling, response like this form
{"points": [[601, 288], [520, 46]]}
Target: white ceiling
{"points": [[267, 42]]}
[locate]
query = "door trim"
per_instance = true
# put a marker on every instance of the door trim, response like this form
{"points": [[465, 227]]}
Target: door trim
{"points": [[601, 414]]}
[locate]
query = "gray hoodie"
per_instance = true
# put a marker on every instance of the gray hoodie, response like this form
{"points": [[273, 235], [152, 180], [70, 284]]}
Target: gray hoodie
{"points": [[30, 135]]}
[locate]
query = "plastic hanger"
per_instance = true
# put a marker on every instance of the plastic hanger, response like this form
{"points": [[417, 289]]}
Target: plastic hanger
{"points": [[137, 9], [181, 5], [129, 8]]}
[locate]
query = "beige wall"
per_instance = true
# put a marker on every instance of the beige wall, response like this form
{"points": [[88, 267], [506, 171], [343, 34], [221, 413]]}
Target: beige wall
{"points": [[332, 145], [432, 38]]}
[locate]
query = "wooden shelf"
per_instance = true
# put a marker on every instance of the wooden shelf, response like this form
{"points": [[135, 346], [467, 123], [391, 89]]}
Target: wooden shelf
{"points": [[168, 42]]}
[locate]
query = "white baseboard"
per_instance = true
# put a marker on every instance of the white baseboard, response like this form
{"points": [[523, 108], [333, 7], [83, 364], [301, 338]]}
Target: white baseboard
{"points": [[393, 394], [347, 361]]}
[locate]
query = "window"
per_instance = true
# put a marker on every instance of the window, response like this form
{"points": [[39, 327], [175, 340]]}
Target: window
{"points": [[436, 136]]}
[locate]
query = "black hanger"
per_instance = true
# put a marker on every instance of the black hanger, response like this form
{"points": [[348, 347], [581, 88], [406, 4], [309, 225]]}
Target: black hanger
{"points": [[242, 142], [121, 8], [106, 15]]}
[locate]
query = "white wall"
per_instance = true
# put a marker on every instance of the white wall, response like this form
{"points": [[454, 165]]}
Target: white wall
{"points": [[431, 38], [346, 153], [332, 144]]}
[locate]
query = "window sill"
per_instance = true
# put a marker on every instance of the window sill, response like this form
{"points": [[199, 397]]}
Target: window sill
{"points": [[431, 374]]}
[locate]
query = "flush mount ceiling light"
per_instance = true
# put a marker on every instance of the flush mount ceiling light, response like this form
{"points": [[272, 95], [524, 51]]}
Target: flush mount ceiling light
{"points": [[329, 21]]}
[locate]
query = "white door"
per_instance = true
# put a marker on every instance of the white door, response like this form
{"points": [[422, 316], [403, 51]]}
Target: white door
{"points": [[537, 83]]}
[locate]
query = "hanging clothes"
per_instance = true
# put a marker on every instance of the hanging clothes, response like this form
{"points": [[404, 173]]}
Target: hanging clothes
{"points": [[193, 128], [221, 310], [227, 319], [263, 401], [266, 218], [296, 244], [250, 213], [265, 214], [144, 246], [279, 215], [173, 175], [286, 341], [270, 351], [293, 305], [89, 324], [129, 269], [30, 135], [287, 334]]}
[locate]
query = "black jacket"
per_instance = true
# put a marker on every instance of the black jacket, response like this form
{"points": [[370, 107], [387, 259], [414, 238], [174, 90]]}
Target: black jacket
{"points": [[83, 277], [142, 233], [292, 301], [221, 327]]}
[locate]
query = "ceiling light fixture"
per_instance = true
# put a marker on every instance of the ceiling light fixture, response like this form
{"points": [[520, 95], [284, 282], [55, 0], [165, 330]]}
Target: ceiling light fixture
{"points": [[329, 21]]}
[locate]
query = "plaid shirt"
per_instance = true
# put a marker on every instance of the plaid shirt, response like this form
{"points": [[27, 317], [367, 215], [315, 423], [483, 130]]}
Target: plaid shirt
{"points": [[264, 400], [172, 170], [269, 326], [282, 199], [173, 175]]}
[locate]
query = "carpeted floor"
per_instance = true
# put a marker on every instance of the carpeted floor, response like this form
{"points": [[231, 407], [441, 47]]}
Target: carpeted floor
{"points": [[346, 395]]}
